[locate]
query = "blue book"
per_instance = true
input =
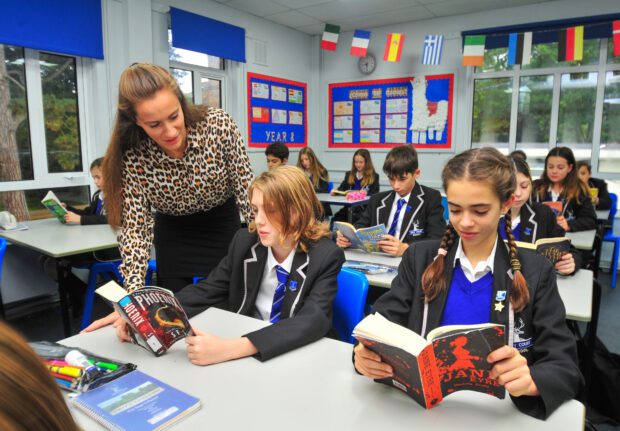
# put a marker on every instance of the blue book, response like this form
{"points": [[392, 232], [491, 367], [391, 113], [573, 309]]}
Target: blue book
{"points": [[136, 402]]}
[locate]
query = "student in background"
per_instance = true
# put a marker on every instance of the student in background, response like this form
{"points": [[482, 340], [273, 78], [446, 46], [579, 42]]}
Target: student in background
{"points": [[500, 284], [277, 155], [410, 211], [519, 154], [603, 200], [559, 182], [314, 170], [282, 270], [95, 212], [532, 221], [362, 175], [30, 398]]}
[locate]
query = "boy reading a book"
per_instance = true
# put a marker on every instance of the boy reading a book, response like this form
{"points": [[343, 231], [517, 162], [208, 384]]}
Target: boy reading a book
{"points": [[283, 270], [471, 276], [277, 155], [410, 211]]}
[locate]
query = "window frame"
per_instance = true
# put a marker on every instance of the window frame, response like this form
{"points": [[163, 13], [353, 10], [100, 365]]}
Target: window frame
{"points": [[517, 72], [199, 72]]}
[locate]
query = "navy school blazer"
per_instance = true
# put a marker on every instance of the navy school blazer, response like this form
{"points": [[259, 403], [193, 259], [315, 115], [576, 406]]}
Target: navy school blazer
{"points": [[307, 308], [579, 212], [423, 215], [372, 188], [539, 329]]}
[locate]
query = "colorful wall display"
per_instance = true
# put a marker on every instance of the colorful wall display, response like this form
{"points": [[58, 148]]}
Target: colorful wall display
{"points": [[385, 113], [277, 111]]}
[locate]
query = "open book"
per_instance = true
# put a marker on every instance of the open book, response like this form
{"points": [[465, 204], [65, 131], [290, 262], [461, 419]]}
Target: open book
{"points": [[364, 238], [340, 192], [454, 358], [552, 248], [52, 203], [155, 317]]}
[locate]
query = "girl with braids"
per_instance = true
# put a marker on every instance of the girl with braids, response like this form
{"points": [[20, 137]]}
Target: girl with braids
{"points": [[471, 276], [532, 221], [560, 182]]}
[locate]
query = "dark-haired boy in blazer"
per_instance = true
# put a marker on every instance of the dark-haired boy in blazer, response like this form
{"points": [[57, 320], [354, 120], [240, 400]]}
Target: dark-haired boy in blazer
{"points": [[418, 216]]}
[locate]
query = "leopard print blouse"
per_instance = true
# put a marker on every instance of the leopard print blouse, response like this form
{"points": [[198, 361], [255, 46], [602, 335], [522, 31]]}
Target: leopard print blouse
{"points": [[215, 166]]}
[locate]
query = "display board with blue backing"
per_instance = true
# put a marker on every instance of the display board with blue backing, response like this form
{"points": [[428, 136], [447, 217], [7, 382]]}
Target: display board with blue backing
{"points": [[277, 111], [390, 112]]}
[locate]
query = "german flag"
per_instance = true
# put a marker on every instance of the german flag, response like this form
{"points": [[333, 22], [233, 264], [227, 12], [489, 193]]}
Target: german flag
{"points": [[570, 44]]}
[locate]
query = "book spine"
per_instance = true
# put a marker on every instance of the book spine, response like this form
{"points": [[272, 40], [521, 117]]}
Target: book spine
{"points": [[429, 376], [141, 326]]}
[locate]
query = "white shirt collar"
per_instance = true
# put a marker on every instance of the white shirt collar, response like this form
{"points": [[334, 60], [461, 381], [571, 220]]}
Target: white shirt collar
{"points": [[287, 264], [359, 175], [481, 269], [397, 198]]}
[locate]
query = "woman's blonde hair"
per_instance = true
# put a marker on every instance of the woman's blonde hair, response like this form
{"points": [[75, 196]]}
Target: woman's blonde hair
{"points": [[317, 170], [30, 398], [291, 205], [138, 82]]}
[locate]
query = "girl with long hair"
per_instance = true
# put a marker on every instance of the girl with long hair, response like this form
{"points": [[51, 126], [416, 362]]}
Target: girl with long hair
{"points": [[362, 175], [559, 182], [314, 170], [471, 276]]}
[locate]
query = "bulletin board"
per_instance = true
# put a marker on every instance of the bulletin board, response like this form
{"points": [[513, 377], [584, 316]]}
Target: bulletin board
{"points": [[386, 113], [277, 111]]}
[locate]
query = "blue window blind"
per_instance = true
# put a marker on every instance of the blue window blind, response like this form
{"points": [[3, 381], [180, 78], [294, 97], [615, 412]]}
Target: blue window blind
{"points": [[595, 27], [206, 35], [62, 26]]}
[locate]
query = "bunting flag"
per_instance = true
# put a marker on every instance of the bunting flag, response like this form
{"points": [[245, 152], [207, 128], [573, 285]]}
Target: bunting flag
{"points": [[616, 34], [473, 51], [359, 45], [570, 46], [393, 46], [433, 44], [329, 41], [519, 48]]}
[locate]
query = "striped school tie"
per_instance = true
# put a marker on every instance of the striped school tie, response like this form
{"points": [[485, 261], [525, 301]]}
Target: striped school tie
{"points": [[399, 206], [278, 296]]}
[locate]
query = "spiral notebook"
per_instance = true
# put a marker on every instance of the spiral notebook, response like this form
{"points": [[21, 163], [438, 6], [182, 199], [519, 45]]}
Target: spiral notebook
{"points": [[136, 402]]}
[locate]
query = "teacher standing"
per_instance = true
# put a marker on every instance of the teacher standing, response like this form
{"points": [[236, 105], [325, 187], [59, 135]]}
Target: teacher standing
{"points": [[188, 164]]}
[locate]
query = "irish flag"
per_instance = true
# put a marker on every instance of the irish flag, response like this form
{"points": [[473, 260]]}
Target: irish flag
{"points": [[570, 44], [473, 50], [330, 37], [393, 46], [616, 34], [359, 46]]}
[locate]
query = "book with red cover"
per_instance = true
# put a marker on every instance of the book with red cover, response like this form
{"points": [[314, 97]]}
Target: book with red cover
{"points": [[452, 359], [556, 206], [155, 317]]}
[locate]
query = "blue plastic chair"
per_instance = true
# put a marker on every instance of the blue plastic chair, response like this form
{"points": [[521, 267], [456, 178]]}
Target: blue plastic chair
{"points": [[349, 302], [149, 272], [330, 186], [609, 236], [2, 250], [446, 211]]}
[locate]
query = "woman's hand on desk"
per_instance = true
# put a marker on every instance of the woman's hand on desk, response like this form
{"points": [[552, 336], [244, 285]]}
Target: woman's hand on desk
{"points": [[511, 371], [566, 264], [342, 241], [369, 364], [392, 245], [207, 349], [104, 321]]}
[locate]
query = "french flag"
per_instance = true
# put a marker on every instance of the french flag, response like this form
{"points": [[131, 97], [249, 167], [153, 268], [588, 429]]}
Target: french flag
{"points": [[359, 46]]}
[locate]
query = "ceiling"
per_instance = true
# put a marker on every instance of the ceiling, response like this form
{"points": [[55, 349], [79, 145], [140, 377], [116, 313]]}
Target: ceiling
{"points": [[310, 16]]}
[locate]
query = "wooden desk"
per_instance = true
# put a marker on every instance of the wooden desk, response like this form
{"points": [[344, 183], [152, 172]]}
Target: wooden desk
{"points": [[58, 240], [327, 198], [314, 388]]}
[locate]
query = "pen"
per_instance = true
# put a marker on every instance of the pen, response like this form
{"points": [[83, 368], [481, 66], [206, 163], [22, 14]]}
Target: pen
{"points": [[64, 383], [105, 365], [56, 362], [62, 377], [66, 371]]}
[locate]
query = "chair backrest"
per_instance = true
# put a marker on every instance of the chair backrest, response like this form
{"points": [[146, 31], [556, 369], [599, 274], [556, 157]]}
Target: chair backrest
{"points": [[330, 186], [613, 209], [446, 211], [349, 303], [2, 250]]}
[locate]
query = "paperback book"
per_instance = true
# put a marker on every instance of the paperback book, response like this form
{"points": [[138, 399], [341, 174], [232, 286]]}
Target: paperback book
{"points": [[593, 192], [556, 207], [450, 359], [155, 318], [552, 248], [136, 402], [52, 203], [365, 239]]}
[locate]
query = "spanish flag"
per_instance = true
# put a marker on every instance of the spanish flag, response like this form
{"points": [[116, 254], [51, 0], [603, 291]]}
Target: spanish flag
{"points": [[570, 44], [393, 46]]}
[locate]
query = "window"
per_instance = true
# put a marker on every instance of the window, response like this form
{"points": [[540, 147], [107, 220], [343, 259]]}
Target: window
{"points": [[40, 131], [548, 103]]}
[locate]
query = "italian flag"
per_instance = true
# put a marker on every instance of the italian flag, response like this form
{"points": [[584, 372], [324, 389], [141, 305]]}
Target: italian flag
{"points": [[473, 50], [616, 34], [570, 44], [330, 37], [393, 46]]}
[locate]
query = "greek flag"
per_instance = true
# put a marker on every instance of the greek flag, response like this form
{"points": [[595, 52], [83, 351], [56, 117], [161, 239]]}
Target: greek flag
{"points": [[433, 44]]}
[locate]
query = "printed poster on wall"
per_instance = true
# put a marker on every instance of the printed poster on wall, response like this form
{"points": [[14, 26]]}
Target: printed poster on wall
{"points": [[385, 113], [277, 111]]}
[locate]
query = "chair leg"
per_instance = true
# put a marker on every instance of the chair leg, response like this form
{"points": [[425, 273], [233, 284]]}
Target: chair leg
{"points": [[89, 298]]}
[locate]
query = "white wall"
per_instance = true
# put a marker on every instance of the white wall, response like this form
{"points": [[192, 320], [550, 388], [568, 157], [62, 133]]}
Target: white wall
{"points": [[341, 67]]}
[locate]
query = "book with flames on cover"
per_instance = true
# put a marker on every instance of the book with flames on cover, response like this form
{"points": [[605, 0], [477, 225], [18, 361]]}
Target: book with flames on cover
{"points": [[451, 359], [155, 317]]}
